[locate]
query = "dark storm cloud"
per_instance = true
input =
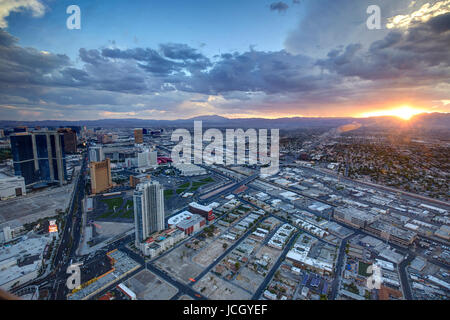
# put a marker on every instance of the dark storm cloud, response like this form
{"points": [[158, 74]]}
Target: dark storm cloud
{"points": [[270, 72], [170, 59], [151, 60], [27, 65], [440, 23], [419, 54], [279, 6]]}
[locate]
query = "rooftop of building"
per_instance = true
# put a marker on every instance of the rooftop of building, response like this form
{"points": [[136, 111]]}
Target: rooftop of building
{"points": [[194, 219], [24, 246], [199, 206], [179, 217]]}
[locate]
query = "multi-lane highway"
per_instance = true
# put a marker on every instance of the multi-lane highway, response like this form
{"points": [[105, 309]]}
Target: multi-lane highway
{"points": [[69, 240]]}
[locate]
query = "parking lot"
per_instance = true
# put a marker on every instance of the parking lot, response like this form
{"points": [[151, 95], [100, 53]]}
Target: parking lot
{"points": [[147, 286], [178, 263], [36, 205]]}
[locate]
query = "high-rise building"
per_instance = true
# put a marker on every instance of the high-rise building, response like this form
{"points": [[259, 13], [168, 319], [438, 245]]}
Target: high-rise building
{"points": [[39, 156], [153, 158], [147, 159], [70, 140], [96, 154], [148, 210], [138, 136], [101, 179], [7, 234]]}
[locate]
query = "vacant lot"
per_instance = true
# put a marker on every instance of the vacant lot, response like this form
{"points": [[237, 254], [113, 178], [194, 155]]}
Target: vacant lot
{"points": [[114, 208], [211, 252], [178, 263], [248, 279], [217, 289]]}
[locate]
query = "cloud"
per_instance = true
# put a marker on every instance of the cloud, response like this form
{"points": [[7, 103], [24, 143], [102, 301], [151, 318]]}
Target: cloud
{"points": [[176, 80], [279, 6], [7, 6], [27, 65], [425, 13], [342, 22], [418, 56]]}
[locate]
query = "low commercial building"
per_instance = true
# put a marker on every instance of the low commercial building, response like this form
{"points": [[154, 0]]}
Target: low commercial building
{"points": [[439, 282], [11, 187], [354, 217], [300, 257], [443, 232], [396, 235], [192, 224], [127, 291], [123, 265], [10, 230], [189, 169], [176, 219], [21, 262], [202, 210]]}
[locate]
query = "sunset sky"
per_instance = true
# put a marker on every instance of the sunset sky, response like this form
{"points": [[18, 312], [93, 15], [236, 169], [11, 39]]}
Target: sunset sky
{"points": [[176, 59]]}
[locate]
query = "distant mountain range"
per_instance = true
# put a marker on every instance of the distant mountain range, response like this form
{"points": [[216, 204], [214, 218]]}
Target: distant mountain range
{"points": [[426, 121]]}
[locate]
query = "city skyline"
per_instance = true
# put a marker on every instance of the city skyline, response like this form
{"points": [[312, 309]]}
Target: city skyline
{"points": [[238, 151], [260, 59]]}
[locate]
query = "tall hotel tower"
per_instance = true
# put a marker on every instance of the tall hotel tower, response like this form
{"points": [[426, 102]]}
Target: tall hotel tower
{"points": [[148, 210], [39, 156]]}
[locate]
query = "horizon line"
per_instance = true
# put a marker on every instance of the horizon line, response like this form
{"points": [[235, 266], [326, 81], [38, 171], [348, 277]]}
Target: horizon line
{"points": [[227, 118]]}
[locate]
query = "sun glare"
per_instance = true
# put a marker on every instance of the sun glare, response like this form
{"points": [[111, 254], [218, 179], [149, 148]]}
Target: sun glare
{"points": [[403, 112]]}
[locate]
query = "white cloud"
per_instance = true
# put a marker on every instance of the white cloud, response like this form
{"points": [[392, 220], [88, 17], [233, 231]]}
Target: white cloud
{"points": [[7, 6], [425, 13]]}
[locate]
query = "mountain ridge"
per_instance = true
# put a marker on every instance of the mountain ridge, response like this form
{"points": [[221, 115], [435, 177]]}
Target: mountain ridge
{"points": [[436, 120]]}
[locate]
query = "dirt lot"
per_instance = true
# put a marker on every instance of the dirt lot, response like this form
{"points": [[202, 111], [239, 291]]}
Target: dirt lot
{"points": [[248, 279], [210, 253], [218, 289], [178, 263]]}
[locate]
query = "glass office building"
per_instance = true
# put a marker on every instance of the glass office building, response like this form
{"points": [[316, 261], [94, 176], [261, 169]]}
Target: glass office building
{"points": [[39, 157]]}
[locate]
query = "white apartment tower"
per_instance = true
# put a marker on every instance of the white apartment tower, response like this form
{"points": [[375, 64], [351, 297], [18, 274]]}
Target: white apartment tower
{"points": [[148, 210]]}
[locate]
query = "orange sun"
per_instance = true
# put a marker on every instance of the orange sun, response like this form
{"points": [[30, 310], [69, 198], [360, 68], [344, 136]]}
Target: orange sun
{"points": [[403, 112]]}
